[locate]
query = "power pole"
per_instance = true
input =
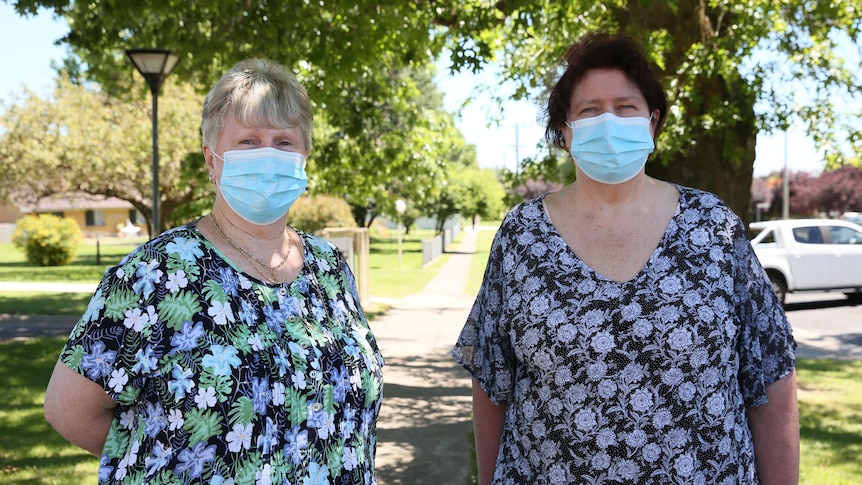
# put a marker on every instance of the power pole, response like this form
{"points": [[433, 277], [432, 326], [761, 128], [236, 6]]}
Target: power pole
{"points": [[785, 213]]}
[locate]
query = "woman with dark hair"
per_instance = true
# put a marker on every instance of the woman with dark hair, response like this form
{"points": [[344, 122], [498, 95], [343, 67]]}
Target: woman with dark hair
{"points": [[625, 332]]}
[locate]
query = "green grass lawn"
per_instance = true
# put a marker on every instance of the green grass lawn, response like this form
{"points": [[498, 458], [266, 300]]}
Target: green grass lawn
{"points": [[31, 452], [93, 257], [830, 416], [389, 277], [479, 261]]}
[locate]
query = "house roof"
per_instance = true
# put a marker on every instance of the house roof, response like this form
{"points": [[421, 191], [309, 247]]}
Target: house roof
{"points": [[77, 201]]}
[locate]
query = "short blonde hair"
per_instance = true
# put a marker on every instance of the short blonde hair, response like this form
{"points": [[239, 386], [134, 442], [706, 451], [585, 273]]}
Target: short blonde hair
{"points": [[259, 93]]}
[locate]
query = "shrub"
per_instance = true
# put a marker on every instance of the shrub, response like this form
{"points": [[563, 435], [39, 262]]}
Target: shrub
{"points": [[47, 240], [313, 213]]}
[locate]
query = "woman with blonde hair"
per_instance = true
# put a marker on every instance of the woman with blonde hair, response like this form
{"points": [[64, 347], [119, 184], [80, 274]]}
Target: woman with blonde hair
{"points": [[232, 349]]}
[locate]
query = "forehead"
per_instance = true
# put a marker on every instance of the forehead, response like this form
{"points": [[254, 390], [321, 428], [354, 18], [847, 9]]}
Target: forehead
{"points": [[231, 125], [602, 84]]}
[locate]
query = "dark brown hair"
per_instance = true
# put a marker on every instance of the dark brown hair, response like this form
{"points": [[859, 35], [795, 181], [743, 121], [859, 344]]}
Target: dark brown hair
{"points": [[602, 51]]}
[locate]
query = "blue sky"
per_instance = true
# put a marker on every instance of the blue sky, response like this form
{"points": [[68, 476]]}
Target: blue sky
{"points": [[30, 51]]}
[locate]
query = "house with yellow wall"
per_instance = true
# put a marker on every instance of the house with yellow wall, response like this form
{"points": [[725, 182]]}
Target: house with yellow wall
{"points": [[97, 216]]}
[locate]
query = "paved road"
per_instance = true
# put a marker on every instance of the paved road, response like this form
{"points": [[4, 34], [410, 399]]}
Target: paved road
{"points": [[25, 326], [826, 325]]}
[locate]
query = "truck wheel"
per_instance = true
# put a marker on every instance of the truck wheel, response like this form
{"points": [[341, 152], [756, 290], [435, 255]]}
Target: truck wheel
{"points": [[779, 286]]}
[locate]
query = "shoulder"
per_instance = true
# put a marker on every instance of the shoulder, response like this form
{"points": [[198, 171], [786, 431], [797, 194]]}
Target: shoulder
{"points": [[316, 244], [182, 242], [692, 195], [705, 204], [321, 252], [524, 225], [525, 212], [704, 216]]}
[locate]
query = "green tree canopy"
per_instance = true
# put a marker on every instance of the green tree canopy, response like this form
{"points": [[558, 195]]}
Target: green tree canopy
{"points": [[81, 140], [724, 62], [408, 152], [732, 69]]}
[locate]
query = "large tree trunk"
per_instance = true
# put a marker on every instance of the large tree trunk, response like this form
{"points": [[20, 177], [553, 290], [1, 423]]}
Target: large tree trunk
{"points": [[716, 107], [707, 169], [720, 158]]}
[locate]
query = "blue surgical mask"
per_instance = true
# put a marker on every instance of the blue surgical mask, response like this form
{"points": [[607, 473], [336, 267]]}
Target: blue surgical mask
{"points": [[261, 184], [611, 149]]}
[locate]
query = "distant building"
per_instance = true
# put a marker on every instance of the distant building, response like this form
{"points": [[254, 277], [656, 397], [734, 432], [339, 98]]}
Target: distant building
{"points": [[8, 215], [95, 215]]}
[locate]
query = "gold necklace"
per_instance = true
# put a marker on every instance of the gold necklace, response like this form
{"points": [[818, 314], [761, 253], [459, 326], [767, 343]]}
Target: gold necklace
{"points": [[251, 257]]}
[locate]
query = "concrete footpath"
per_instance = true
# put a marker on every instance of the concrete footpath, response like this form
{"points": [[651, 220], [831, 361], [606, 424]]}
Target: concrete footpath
{"points": [[425, 421], [424, 427]]}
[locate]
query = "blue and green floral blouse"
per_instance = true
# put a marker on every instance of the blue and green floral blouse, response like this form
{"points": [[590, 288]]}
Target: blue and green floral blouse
{"points": [[224, 379], [644, 381]]}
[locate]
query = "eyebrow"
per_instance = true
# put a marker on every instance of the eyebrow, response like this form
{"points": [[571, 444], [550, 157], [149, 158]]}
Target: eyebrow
{"points": [[616, 100]]}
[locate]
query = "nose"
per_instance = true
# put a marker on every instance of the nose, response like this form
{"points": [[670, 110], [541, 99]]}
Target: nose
{"points": [[268, 179]]}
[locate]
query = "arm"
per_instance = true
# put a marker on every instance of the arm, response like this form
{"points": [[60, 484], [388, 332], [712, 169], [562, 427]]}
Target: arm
{"points": [[488, 421], [775, 432], [79, 409]]}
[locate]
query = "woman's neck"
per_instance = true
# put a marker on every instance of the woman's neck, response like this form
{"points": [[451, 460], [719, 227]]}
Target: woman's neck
{"points": [[589, 192], [247, 233]]}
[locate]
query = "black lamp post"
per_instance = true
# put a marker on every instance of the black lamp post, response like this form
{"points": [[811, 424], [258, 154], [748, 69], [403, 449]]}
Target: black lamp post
{"points": [[154, 65]]}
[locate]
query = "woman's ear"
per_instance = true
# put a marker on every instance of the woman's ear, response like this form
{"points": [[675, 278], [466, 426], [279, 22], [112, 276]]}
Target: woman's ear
{"points": [[208, 156], [653, 122], [209, 162]]}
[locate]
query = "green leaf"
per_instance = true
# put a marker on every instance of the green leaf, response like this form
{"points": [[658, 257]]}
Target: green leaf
{"points": [[202, 424], [241, 411], [119, 302], [178, 307]]}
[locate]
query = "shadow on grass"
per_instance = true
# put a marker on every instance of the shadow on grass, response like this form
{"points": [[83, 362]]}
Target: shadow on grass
{"points": [[32, 451], [823, 432], [45, 303]]}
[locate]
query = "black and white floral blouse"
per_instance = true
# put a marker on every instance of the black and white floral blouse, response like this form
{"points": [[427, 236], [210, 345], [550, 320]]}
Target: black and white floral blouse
{"points": [[644, 381]]}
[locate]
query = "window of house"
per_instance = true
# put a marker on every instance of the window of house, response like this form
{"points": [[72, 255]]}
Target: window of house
{"points": [[95, 217]]}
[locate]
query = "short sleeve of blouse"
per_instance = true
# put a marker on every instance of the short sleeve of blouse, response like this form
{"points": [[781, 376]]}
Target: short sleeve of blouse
{"points": [[130, 322], [110, 344], [766, 345], [483, 347]]}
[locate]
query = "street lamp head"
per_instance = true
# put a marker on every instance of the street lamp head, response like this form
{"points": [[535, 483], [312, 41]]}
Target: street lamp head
{"points": [[154, 64]]}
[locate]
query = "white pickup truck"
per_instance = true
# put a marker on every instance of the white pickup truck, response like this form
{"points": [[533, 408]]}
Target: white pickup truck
{"points": [[810, 255]]}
